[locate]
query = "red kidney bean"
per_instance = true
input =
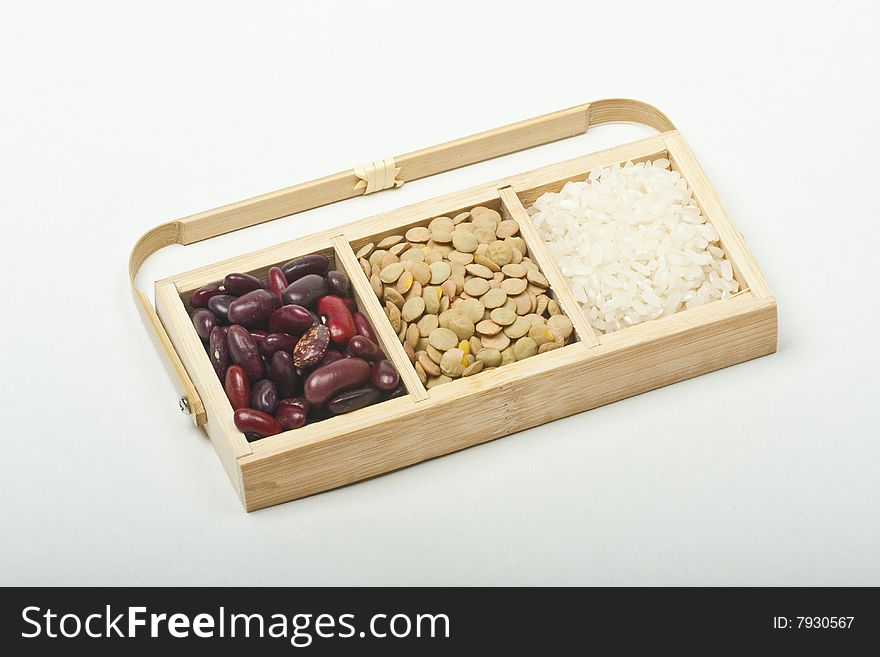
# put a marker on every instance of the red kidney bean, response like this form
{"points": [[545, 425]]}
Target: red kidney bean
{"points": [[253, 308], [302, 402], [364, 348], [327, 381], [291, 416], [239, 284], [338, 283], [310, 264], [330, 356], [248, 420], [398, 391], [218, 351], [384, 376], [277, 342], [264, 396], [258, 335], [338, 318], [294, 320], [364, 328], [283, 374], [219, 305], [204, 322], [276, 281], [200, 297], [305, 291], [310, 348], [352, 400], [238, 387], [243, 351], [351, 302]]}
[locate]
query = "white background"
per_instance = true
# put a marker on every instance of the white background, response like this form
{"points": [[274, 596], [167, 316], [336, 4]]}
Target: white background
{"points": [[118, 116]]}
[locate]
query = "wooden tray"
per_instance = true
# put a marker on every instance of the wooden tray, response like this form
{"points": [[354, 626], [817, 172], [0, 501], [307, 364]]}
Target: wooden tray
{"points": [[592, 371]]}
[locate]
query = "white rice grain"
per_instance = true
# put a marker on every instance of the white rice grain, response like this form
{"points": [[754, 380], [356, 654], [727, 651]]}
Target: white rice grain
{"points": [[633, 245]]}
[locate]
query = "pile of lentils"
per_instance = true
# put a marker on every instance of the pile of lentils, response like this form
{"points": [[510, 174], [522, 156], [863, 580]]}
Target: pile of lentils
{"points": [[463, 296]]}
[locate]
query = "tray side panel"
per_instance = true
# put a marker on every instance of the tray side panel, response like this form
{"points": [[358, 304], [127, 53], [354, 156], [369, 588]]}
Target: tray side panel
{"points": [[532, 184], [749, 274], [228, 442], [575, 378]]}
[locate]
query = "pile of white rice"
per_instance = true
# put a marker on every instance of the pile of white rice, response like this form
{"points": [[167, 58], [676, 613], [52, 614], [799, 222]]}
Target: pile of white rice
{"points": [[633, 244]]}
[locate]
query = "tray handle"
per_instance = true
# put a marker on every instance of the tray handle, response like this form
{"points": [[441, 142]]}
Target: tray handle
{"points": [[350, 183]]}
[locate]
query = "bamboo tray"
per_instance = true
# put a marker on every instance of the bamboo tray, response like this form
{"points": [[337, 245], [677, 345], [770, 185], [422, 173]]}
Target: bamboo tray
{"points": [[592, 371]]}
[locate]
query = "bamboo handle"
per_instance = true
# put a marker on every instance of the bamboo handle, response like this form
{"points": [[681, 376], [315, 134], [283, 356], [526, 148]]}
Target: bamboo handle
{"points": [[347, 184], [150, 242]]}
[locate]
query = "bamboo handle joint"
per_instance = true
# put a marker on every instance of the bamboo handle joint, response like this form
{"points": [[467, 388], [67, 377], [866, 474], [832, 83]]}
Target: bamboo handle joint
{"points": [[377, 175]]}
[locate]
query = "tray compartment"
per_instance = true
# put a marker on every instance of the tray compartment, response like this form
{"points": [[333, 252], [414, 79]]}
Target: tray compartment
{"points": [[674, 149], [502, 205], [338, 260]]}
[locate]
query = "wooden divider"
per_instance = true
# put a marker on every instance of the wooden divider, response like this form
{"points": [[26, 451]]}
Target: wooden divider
{"points": [[513, 209], [370, 306]]}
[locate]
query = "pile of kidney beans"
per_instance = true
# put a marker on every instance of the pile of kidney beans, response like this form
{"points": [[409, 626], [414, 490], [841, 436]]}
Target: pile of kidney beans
{"points": [[293, 350]]}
